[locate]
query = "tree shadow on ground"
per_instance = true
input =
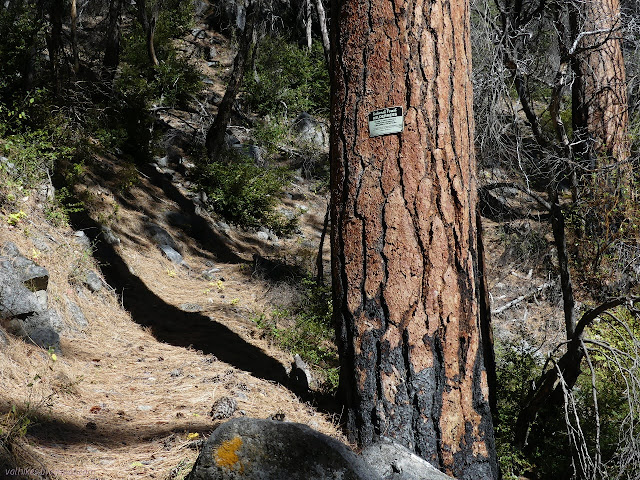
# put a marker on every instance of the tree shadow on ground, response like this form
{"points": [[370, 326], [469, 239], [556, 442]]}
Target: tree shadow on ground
{"points": [[171, 325]]}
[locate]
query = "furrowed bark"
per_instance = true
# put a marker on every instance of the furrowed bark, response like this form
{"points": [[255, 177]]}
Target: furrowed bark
{"points": [[404, 245], [600, 107]]}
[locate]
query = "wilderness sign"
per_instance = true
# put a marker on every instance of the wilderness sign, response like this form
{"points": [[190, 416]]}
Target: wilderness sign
{"points": [[386, 121]]}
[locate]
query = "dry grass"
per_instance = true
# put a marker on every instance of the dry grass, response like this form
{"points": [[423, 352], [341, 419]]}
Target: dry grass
{"points": [[118, 403]]}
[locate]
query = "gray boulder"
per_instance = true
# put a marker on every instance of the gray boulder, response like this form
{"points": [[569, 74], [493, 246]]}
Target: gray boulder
{"points": [[392, 461], [171, 254], [33, 276], [10, 249], [300, 376], [22, 312], [4, 340], [252, 449], [310, 131], [159, 235], [82, 239], [92, 281], [108, 235], [16, 300], [76, 314], [251, 151]]}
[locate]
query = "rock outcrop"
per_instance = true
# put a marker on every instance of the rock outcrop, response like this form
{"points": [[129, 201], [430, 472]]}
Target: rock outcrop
{"points": [[253, 449], [23, 304], [392, 461]]}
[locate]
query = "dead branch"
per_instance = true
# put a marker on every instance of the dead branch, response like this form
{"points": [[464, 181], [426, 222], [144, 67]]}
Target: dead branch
{"points": [[524, 297]]}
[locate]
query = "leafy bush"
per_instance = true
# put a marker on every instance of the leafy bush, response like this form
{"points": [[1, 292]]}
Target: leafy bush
{"points": [[34, 155], [288, 76], [245, 193], [176, 80]]}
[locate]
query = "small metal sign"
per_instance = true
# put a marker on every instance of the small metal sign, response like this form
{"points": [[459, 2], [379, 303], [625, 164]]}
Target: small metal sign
{"points": [[386, 121]]}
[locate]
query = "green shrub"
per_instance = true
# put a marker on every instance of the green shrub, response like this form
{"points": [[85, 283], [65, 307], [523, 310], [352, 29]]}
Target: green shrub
{"points": [[244, 193], [176, 81], [34, 155], [288, 76], [63, 205]]}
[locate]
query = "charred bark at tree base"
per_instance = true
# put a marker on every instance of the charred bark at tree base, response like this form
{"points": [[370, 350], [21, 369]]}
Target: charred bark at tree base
{"points": [[404, 263]]}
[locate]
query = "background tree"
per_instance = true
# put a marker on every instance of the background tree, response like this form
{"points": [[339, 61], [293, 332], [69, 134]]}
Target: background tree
{"points": [[215, 139], [599, 91], [111, 58], [553, 115], [404, 244], [147, 14]]}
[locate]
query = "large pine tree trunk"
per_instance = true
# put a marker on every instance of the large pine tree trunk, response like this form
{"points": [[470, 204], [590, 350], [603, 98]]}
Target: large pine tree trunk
{"points": [[404, 245], [600, 109]]}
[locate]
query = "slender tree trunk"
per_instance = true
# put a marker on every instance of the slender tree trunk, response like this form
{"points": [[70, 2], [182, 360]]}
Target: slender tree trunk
{"points": [[308, 23], [323, 234], [560, 240], [486, 328], [404, 260], [148, 22], [74, 37], [322, 19], [112, 39], [214, 141], [56, 7]]}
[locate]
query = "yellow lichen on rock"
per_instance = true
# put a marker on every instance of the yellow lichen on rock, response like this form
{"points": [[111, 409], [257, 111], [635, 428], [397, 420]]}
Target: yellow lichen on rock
{"points": [[226, 455]]}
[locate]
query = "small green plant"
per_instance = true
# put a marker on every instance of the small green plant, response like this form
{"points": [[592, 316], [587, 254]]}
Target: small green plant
{"points": [[306, 329], [271, 133], [63, 205], [517, 366], [15, 424], [15, 218], [128, 177]]}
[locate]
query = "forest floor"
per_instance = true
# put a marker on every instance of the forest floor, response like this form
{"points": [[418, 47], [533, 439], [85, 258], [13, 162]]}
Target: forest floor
{"points": [[131, 393]]}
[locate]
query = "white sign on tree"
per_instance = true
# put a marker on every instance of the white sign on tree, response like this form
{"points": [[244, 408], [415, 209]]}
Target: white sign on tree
{"points": [[386, 121]]}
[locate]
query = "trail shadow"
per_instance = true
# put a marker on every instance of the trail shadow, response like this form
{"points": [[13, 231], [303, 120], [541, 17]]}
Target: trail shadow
{"points": [[201, 229], [172, 325], [107, 432]]}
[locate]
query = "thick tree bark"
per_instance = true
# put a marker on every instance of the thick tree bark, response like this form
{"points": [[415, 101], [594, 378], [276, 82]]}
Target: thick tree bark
{"points": [[214, 141], [600, 109], [112, 38], [404, 259]]}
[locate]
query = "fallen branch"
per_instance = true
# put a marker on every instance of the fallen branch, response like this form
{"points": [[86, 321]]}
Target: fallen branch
{"points": [[521, 298]]}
